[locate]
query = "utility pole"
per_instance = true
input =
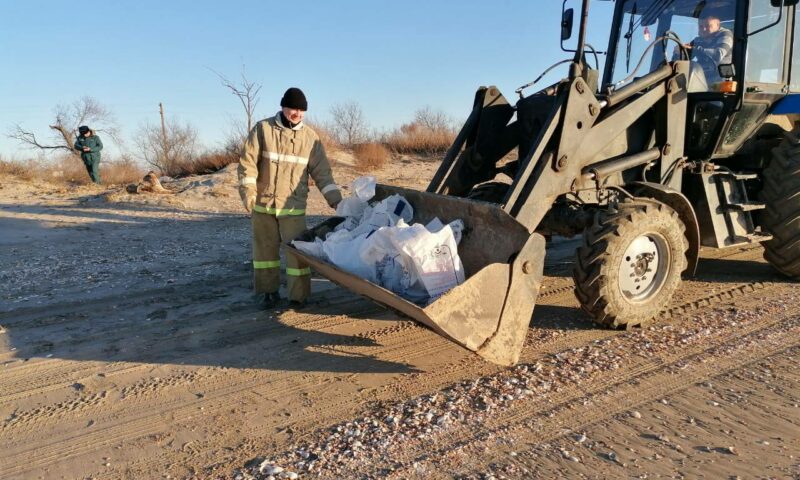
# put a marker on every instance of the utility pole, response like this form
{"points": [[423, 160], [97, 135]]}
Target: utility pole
{"points": [[163, 133], [163, 125]]}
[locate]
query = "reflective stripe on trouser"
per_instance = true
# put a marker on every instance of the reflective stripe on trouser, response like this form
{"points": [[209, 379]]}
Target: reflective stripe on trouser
{"points": [[268, 233]]}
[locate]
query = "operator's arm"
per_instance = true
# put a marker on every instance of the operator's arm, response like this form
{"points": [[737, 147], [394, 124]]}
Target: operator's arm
{"points": [[79, 144], [248, 168], [99, 144], [722, 47], [320, 170]]}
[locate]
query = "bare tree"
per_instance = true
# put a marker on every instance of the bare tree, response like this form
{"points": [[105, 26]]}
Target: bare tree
{"points": [[247, 93], [84, 111], [169, 150], [433, 120], [349, 127]]}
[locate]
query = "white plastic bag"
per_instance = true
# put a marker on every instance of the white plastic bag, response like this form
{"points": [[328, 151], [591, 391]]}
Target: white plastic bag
{"points": [[344, 253], [434, 257], [311, 248], [364, 187], [351, 207], [385, 213], [456, 225]]}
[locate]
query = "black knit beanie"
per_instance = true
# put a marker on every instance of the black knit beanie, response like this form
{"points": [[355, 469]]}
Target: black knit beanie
{"points": [[294, 98]]}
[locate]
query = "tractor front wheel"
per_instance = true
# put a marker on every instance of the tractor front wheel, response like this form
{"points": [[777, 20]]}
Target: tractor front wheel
{"points": [[630, 262]]}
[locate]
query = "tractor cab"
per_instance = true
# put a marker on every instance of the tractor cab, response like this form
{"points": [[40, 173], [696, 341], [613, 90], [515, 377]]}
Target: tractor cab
{"points": [[740, 56]]}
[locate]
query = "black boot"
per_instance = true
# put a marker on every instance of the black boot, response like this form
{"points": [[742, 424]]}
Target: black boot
{"points": [[269, 300], [297, 304]]}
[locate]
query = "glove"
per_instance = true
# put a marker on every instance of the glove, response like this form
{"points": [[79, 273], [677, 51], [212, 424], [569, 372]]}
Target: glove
{"points": [[334, 202], [248, 195]]}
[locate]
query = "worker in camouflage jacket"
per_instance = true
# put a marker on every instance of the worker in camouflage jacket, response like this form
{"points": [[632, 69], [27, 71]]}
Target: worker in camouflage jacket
{"points": [[279, 155], [89, 145]]}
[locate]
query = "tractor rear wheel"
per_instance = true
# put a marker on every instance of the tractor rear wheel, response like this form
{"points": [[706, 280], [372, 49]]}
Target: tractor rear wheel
{"points": [[630, 262], [781, 219]]}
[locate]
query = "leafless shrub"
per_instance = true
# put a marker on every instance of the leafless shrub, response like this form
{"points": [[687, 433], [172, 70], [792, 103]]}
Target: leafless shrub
{"points": [[348, 124], [121, 171], [233, 143], [431, 119], [370, 156], [84, 111], [17, 169], [204, 164], [429, 133], [325, 135], [411, 138], [167, 151]]}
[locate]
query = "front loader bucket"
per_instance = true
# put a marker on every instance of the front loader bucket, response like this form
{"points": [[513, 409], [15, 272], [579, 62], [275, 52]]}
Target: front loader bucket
{"points": [[490, 312]]}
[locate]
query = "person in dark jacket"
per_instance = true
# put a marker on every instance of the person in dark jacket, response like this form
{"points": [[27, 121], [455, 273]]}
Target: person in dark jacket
{"points": [[90, 146]]}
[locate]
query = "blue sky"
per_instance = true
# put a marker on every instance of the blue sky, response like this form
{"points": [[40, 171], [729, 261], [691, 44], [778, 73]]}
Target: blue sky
{"points": [[391, 57]]}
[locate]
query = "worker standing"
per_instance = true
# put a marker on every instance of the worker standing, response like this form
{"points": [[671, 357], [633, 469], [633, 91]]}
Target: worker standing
{"points": [[89, 145], [279, 155]]}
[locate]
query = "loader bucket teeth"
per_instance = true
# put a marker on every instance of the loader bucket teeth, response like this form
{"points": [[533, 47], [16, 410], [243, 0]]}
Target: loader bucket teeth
{"points": [[490, 312]]}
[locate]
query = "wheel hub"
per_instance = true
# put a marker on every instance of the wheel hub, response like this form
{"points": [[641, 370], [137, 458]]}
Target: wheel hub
{"points": [[643, 267]]}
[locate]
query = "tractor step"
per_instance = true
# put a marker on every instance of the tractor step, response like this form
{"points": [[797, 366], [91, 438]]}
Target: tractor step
{"points": [[745, 207], [726, 216], [755, 237], [744, 176]]}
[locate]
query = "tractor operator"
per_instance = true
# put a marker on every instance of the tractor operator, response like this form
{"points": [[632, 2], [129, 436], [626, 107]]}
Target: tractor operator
{"points": [[279, 155], [713, 46]]}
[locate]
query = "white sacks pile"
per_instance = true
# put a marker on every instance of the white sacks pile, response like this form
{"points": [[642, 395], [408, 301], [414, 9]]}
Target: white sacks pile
{"points": [[418, 262]]}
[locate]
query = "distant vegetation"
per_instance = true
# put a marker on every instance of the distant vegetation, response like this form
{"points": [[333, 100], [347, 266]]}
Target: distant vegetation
{"points": [[66, 170], [370, 156], [172, 148]]}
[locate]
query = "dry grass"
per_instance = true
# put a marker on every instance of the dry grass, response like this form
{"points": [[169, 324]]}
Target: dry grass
{"points": [[23, 171], [68, 169], [325, 136], [204, 164], [414, 139], [120, 172], [370, 156]]}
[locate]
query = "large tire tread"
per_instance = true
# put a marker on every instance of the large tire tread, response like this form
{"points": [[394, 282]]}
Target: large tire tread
{"points": [[596, 267], [781, 219]]}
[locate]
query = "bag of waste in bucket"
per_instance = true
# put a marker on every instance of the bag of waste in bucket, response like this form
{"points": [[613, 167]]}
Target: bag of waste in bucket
{"points": [[392, 269], [434, 257], [385, 213], [342, 249], [352, 207]]}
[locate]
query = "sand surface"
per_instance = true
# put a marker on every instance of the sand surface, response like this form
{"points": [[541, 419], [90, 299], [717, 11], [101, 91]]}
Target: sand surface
{"points": [[131, 347]]}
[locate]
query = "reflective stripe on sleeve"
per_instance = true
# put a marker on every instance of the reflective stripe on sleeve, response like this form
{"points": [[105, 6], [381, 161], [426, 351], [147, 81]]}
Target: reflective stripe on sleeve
{"points": [[297, 272], [282, 157], [247, 181], [279, 212], [267, 264], [329, 188]]}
